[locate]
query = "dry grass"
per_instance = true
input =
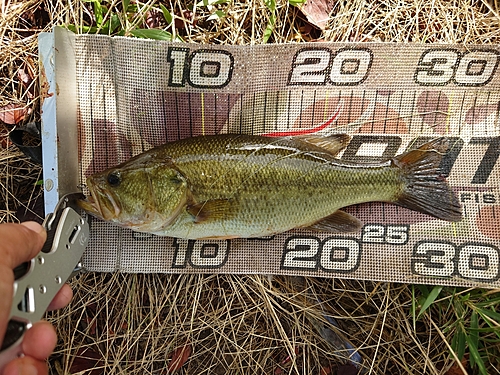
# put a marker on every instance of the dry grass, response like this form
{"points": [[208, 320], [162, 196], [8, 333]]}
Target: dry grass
{"points": [[244, 324], [237, 324], [17, 184]]}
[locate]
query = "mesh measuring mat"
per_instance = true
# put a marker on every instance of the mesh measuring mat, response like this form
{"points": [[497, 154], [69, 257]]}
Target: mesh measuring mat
{"points": [[134, 94]]}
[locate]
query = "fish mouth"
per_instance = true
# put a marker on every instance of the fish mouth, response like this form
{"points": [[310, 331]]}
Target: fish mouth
{"points": [[99, 203]]}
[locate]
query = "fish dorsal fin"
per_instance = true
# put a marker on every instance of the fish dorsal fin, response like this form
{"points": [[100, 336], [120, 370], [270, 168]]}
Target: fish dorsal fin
{"points": [[333, 143], [215, 209], [338, 222]]}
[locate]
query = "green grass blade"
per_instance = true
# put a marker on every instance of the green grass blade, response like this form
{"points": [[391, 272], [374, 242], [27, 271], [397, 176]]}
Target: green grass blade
{"points": [[423, 290], [485, 314], [114, 23], [125, 5], [414, 308], [208, 3], [296, 3], [269, 29], [458, 343], [152, 34], [166, 14], [271, 5], [489, 302], [98, 13], [82, 29], [217, 15], [475, 357], [492, 314], [473, 334], [429, 300]]}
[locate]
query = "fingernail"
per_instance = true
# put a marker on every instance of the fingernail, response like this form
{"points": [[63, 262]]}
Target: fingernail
{"points": [[33, 225]]}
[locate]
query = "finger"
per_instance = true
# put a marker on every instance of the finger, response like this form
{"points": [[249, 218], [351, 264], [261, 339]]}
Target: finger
{"points": [[62, 298], [6, 293], [40, 340], [20, 243], [26, 366]]}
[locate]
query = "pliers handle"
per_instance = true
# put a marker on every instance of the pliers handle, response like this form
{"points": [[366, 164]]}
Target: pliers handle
{"points": [[38, 280]]}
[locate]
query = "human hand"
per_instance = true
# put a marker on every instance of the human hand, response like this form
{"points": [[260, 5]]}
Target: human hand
{"points": [[20, 243]]}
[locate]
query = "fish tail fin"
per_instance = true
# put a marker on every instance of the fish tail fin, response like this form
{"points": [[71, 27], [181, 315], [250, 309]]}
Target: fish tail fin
{"points": [[425, 188]]}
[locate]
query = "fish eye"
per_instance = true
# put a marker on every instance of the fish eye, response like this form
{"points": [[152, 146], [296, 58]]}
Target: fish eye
{"points": [[176, 180], [114, 179]]}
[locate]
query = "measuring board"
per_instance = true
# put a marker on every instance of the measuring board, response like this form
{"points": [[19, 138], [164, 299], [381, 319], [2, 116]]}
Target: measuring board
{"points": [[134, 94]]}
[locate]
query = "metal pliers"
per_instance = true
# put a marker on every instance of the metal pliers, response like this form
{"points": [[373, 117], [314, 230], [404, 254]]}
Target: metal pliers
{"points": [[38, 281]]}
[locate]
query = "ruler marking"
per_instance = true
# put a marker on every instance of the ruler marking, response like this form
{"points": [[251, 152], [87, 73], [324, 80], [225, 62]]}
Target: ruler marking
{"points": [[177, 115], [412, 113], [362, 112], [214, 126], [349, 110], [165, 125], [460, 119], [386, 113], [241, 113], [373, 113], [313, 109], [190, 115], [288, 111], [400, 111], [202, 98]]}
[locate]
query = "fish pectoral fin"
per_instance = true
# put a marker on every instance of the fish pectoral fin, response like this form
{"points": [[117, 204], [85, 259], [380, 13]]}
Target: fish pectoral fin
{"points": [[215, 209], [332, 143], [338, 222]]}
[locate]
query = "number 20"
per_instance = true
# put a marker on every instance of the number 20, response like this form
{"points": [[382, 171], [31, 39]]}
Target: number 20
{"points": [[318, 66], [333, 254]]}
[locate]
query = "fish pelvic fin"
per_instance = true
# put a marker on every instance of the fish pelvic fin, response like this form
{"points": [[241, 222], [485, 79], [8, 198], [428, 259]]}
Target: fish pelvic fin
{"points": [[425, 188]]}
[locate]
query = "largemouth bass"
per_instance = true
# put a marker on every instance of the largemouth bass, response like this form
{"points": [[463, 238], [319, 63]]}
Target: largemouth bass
{"points": [[230, 186]]}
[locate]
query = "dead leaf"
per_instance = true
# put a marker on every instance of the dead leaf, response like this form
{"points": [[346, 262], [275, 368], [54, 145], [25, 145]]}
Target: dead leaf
{"points": [[455, 368], [185, 19], [25, 76], [317, 12], [87, 360], [179, 357], [153, 19], [12, 114]]}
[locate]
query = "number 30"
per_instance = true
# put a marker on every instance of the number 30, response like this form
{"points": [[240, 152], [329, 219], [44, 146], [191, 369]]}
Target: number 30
{"points": [[471, 260], [438, 67]]}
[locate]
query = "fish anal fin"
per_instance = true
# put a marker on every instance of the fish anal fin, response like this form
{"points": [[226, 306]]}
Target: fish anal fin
{"points": [[338, 222], [217, 238], [215, 209], [334, 143]]}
